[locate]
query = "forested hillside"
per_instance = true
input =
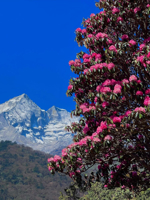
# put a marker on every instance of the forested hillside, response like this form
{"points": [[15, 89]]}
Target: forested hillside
{"points": [[24, 174]]}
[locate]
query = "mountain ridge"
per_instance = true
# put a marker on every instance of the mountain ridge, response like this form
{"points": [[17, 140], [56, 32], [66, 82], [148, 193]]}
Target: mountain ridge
{"points": [[32, 126]]}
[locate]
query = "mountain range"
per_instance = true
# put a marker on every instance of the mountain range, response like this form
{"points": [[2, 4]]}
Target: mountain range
{"points": [[22, 121]]}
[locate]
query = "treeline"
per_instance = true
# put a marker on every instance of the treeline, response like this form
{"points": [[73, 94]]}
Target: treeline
{"points": [[24, 174]]}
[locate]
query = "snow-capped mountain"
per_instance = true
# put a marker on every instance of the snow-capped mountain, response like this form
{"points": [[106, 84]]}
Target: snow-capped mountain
{"points": [[21, 120]]}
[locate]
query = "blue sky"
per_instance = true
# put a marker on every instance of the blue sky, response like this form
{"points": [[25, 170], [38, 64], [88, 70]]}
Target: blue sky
{"points": [[37, 40]]}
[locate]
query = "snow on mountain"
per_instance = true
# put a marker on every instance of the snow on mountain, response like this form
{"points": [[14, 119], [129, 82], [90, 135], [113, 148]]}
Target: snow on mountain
{"points": [[21, 120]]}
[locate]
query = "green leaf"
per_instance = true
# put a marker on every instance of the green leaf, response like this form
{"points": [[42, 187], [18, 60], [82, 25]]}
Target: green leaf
{"points": [[140, 115]]}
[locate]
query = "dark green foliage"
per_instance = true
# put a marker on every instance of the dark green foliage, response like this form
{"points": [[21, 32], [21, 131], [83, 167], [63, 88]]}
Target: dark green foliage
{"points": [[24, 174]]}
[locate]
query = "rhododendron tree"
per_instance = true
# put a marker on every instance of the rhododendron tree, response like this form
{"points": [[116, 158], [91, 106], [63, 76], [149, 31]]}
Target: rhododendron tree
{"points": [[112, 94]]}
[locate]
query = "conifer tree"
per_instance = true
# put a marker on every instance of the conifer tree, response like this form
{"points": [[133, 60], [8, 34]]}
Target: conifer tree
{"points": [[112, 95]]}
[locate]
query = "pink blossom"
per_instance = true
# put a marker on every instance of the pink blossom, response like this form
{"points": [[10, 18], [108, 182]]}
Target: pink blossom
{"points": [[142, 47], [64, 152], [90, 36], [117, 89], [107, 82], [125, 37], [71, 174], [50, 168], [86, 56], [101, 35], [105, 186], [70, 87], [132, 78], [110, 66], [119, 19], [103, 125], [123, 98], [113, 48], [119, 166], [92, 15], [85, 130], [124, 81], [104, 90], [132, 43], [94, 134], [50, 160], [83, 31], [115, 10], [136, 9], [96, 139], [71, 62], [79, 30], [57, 158], [98, 88], [104, 104], [86, 71], [147, 101], [148, 55], [139, 93], [108, 137], [147, 91], [140, 109], [99, 167], [86, 151], [123, 187], [99, 130], [148, 5], [116, 119], [140, 58]]}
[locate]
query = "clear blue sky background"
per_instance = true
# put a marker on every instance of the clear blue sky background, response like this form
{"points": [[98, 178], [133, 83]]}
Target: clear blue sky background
{"points": [[37, 40]]}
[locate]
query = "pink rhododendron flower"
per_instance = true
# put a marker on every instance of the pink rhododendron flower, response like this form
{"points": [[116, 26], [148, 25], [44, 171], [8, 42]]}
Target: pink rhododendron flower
{"points": [[104, 104], [110, 66], [113, 48], [132, 78], [70, 87], [125, 81], [99, 130], [142, 47], [147, 101], [132, 43], [148, 5], [117, 89], [148, 55], [79, 30], [139, 93], [140, 109], [108, 137], [92, 15], [57, 158], [125, 37], [119, 19], [105, 186], [71, 62], [86, 56], [84, 31], [140, 58], [115, 10], [50, 160], [50, 168], [104, 90], [96, 139], [136, 10], [85, 130], [103, 125], [101, 35], [116, 119], [71, 174], [147, 91], [90, 36]]}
